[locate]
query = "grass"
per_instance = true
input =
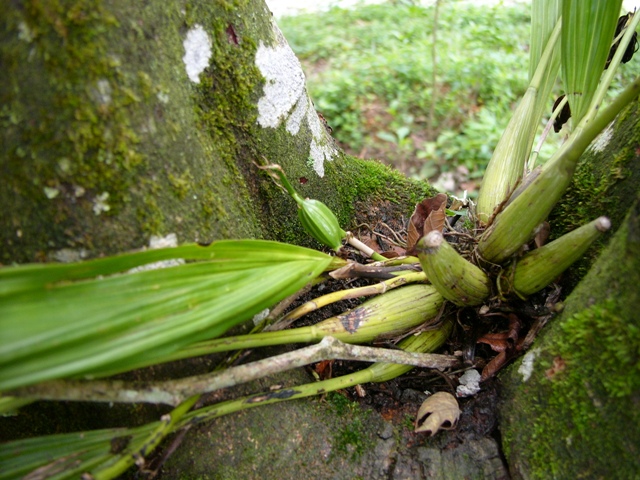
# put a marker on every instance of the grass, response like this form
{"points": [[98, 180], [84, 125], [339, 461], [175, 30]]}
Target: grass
{"points": [[370, 70]]}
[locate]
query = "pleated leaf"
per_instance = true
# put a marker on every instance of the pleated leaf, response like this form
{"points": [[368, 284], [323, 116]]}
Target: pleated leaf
{"points": [[588, 27], [66, 320], [103, 454], [64, 455], [544, 16]]}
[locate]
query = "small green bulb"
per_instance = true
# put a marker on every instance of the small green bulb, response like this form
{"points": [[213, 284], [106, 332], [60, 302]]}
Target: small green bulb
{"points": [[317, 219], [321, 223]]}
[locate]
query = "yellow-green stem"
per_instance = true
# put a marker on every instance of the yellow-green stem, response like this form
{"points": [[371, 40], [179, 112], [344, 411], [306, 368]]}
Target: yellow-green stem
{"points": [[514, 226], [383, 316], [424, 342]]}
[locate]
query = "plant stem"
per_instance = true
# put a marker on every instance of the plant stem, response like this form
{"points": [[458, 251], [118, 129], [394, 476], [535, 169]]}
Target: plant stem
{"points": [[364, 249], [514, 226], [455, 278], [174, 392], [358, 292], [509, 158]]}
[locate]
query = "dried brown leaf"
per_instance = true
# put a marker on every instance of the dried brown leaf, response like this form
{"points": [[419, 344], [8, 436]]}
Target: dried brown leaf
{"points": [[438, 412], [423, 220], [508, 344], [494, 365], [416, 222], [542, 234], [437, 217], [497, 341]]}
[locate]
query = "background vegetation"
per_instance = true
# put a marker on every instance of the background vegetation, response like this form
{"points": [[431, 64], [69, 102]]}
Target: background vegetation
{"points": [[370, 73]]}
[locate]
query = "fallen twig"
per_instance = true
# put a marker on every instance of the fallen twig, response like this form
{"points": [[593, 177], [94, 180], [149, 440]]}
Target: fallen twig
{"points": [[173, 392]]}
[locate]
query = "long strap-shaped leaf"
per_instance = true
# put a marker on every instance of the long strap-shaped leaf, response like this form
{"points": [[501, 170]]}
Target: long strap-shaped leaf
{"points": [[105, 453], [587, 31], [53, 327]]}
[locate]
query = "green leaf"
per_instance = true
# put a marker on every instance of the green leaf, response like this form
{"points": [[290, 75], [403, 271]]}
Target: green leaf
{"points": [[507, 163], [66, 320], [61, 456], [544, 15], [588, 27]]}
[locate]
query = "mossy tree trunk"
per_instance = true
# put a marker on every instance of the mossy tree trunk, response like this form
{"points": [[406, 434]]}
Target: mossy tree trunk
{"points": [[122, 120], [570, 406]]}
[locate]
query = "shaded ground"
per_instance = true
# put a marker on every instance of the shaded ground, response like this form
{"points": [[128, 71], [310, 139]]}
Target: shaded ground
{"points": [[334, 437]]}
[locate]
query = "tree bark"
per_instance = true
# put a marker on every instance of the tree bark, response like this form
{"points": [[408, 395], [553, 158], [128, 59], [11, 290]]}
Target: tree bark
{"points": [[569, 406], [123, 120]]}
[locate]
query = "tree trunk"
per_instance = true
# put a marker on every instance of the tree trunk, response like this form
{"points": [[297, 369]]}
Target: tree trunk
{"points": [[123, 120]]}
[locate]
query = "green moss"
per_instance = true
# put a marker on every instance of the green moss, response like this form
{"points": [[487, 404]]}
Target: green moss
{"points": [[181, 183], [374, 182], [588, 395], [341, 404], [601, 328], [151, 217], [350, 439], [87, 104]]}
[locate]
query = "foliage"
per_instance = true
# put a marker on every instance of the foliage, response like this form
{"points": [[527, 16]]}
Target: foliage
{"points": [[104, 321]]}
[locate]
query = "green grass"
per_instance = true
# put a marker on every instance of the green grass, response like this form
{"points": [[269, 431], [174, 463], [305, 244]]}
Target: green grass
{"points": [[369, 72]]}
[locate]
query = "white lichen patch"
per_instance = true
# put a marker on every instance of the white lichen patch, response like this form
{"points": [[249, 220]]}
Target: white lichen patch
{"points": [[284, 85], [78, 191], [602, 140], [297, 117], [102, 92], [163, 97], [100, 203], [70, 255], [168, 241], [197, 47], [25, 33], [51, 193], [258, 318], [469, 384], [285, 99], [321, 148], [526, 367]]}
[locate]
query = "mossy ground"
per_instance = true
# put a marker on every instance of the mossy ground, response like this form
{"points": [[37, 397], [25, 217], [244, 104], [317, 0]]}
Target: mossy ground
{"points": [[327, 438]]}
